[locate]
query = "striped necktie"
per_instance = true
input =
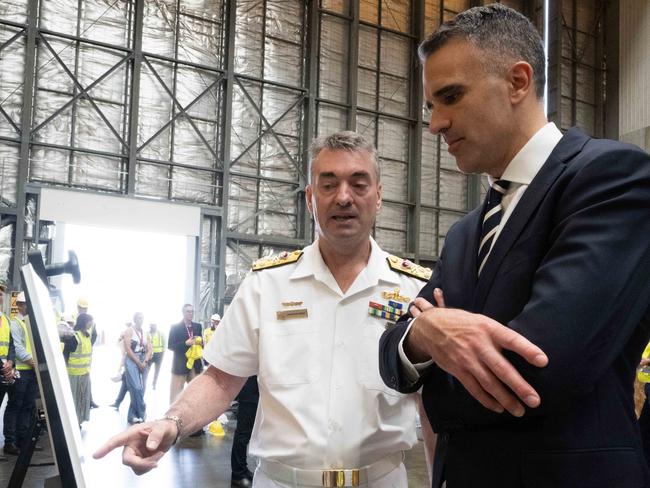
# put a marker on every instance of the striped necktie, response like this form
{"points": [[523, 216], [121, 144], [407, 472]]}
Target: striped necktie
{"points": [[491, 220]]}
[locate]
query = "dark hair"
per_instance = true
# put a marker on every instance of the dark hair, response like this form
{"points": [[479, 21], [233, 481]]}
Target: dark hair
{"points": [[187, 305], [502, 33], [82, 321]]}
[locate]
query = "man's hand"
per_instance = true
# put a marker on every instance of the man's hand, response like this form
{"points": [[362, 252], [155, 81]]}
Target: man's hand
{"points": [[644, 362], [7, 371], [468, 346], [190, 341], [144, 444], [7, 366]]}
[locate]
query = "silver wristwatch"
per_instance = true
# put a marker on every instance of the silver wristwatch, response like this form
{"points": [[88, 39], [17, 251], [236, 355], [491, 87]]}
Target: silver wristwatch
{"points": [[179, 424]]}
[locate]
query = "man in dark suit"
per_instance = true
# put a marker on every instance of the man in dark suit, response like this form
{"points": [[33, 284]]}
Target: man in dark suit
{"points": [[558, 255], [182, 336]]}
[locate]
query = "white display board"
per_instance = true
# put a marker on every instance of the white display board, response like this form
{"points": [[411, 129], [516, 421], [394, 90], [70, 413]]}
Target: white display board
{"points": [[56, 394]]}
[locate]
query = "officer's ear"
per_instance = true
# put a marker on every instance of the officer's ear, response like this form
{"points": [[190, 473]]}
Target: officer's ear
{"points": [[379, 190], [309, 193]]}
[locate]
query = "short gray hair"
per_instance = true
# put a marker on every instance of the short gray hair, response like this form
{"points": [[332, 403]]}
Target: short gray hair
{"points": [[499, 30], [345, 140]]}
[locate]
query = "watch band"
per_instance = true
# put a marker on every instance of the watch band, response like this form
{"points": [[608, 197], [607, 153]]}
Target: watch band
{"points": [[179, 424]]}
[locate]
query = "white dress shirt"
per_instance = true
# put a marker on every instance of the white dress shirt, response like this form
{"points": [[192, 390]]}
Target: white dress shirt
{"points": [[323, 404], [520, 173]]}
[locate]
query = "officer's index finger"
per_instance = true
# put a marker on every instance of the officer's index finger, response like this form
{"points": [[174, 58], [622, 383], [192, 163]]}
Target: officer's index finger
{"points": [[118, 440]]}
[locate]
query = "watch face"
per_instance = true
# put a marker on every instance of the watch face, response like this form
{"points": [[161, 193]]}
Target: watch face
{"points": [[645, 369]]}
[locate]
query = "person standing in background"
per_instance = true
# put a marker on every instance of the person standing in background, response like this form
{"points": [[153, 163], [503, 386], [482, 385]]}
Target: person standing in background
{"points": [[138, 353], [157, 340], [7, 355], [248, 399], [77, 352], [208, 331], [182, 336], [82, 307], [20, 408], [121, 371]]}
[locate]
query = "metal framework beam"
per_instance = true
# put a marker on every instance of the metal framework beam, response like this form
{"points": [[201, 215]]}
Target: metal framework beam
{"points": [[353, 63], [309, 117], [231, 23], [415, 142], [25, 124]]}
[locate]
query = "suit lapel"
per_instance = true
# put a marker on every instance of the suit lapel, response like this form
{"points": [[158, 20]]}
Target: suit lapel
{"points": [[567, 148], [471, 250]]}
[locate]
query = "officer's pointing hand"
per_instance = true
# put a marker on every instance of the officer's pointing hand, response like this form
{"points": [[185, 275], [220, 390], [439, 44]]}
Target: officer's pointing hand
{"points": [[144, 445]]}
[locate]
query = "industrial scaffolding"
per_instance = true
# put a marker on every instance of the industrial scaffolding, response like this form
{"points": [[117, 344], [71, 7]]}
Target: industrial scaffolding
{"points": [[214, 103]]}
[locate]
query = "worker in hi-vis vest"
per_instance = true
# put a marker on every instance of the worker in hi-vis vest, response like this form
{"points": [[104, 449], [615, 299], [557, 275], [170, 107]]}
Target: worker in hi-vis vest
{"points": [[20, 409], [208, 331], [7, 355], [78, 353], [158, 342]]}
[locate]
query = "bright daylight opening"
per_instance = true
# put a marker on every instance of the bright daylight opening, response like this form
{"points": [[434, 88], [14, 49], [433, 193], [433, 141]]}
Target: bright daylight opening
{"points": [[123, 272]]}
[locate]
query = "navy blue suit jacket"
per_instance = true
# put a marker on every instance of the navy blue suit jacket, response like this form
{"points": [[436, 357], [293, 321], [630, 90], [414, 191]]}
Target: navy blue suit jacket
{"points": [[571, 272]]}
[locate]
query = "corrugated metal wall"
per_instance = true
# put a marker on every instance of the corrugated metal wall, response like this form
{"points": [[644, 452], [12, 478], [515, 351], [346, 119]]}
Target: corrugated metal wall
{"points": [[634, 86], [213, 103]]}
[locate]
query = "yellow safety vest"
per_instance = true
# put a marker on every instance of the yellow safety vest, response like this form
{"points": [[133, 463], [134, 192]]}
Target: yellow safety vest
{"points": [[642, 376], [157, 341], [80, 359], [207, 335], [5, 335], [28, 347]]}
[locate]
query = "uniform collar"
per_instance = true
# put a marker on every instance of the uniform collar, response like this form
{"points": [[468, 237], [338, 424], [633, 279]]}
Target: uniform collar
{"points": [[376, 270]]}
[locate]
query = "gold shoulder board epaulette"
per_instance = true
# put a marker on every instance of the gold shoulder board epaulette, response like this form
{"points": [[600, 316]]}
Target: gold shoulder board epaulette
{"points": [[281, 259], [409, 268]]}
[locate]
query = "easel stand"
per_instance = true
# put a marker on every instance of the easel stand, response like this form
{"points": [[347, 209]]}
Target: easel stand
{"points": [[27, 451]]}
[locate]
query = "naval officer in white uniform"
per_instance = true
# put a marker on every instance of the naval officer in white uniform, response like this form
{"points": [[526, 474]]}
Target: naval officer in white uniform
{"points": [[308, 324]]}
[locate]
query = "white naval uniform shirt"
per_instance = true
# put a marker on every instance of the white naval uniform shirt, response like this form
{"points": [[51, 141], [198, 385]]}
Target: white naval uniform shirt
{"points": [[322, 402]]}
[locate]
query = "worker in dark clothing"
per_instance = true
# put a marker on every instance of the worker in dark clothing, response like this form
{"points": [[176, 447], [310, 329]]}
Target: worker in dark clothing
{"points": [[248, 398]]}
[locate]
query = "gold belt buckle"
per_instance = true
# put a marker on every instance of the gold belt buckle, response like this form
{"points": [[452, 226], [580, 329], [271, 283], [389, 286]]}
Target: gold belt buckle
{"points": [[336, 478]]}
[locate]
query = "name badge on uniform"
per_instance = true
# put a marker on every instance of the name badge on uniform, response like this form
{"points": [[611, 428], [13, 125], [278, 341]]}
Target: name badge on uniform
{"points": [[292, 311]]}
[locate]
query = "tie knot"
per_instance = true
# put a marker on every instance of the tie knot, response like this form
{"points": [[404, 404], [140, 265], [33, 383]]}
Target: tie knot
{"points": [[497, 190], [500, 186]]}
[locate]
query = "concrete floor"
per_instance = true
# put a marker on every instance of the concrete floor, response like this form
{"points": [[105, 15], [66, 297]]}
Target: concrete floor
{"points": [[201, 461]]}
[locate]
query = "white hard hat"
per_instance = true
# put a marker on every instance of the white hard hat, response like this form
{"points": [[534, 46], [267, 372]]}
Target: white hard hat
{"points": [[215, 316], [21, 297]]}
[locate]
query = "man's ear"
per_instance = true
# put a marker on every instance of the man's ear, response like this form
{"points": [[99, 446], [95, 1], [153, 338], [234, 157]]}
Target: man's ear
{"points": [[308, 198], [521, 79], [379, 190]]}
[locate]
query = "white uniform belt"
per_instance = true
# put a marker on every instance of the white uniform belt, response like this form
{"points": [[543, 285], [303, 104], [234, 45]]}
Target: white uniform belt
{"points": [[332, 477]]}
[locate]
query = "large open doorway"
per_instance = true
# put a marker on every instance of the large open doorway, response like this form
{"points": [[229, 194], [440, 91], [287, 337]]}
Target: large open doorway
{"points": [[126, 271]]}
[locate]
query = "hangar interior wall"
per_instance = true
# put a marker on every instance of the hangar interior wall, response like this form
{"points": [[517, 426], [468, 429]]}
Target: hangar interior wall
{"points": [[213, 103]]}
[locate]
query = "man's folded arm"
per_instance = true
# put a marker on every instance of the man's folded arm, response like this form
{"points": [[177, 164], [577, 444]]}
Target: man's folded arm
{"points": [[591, 291]]}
